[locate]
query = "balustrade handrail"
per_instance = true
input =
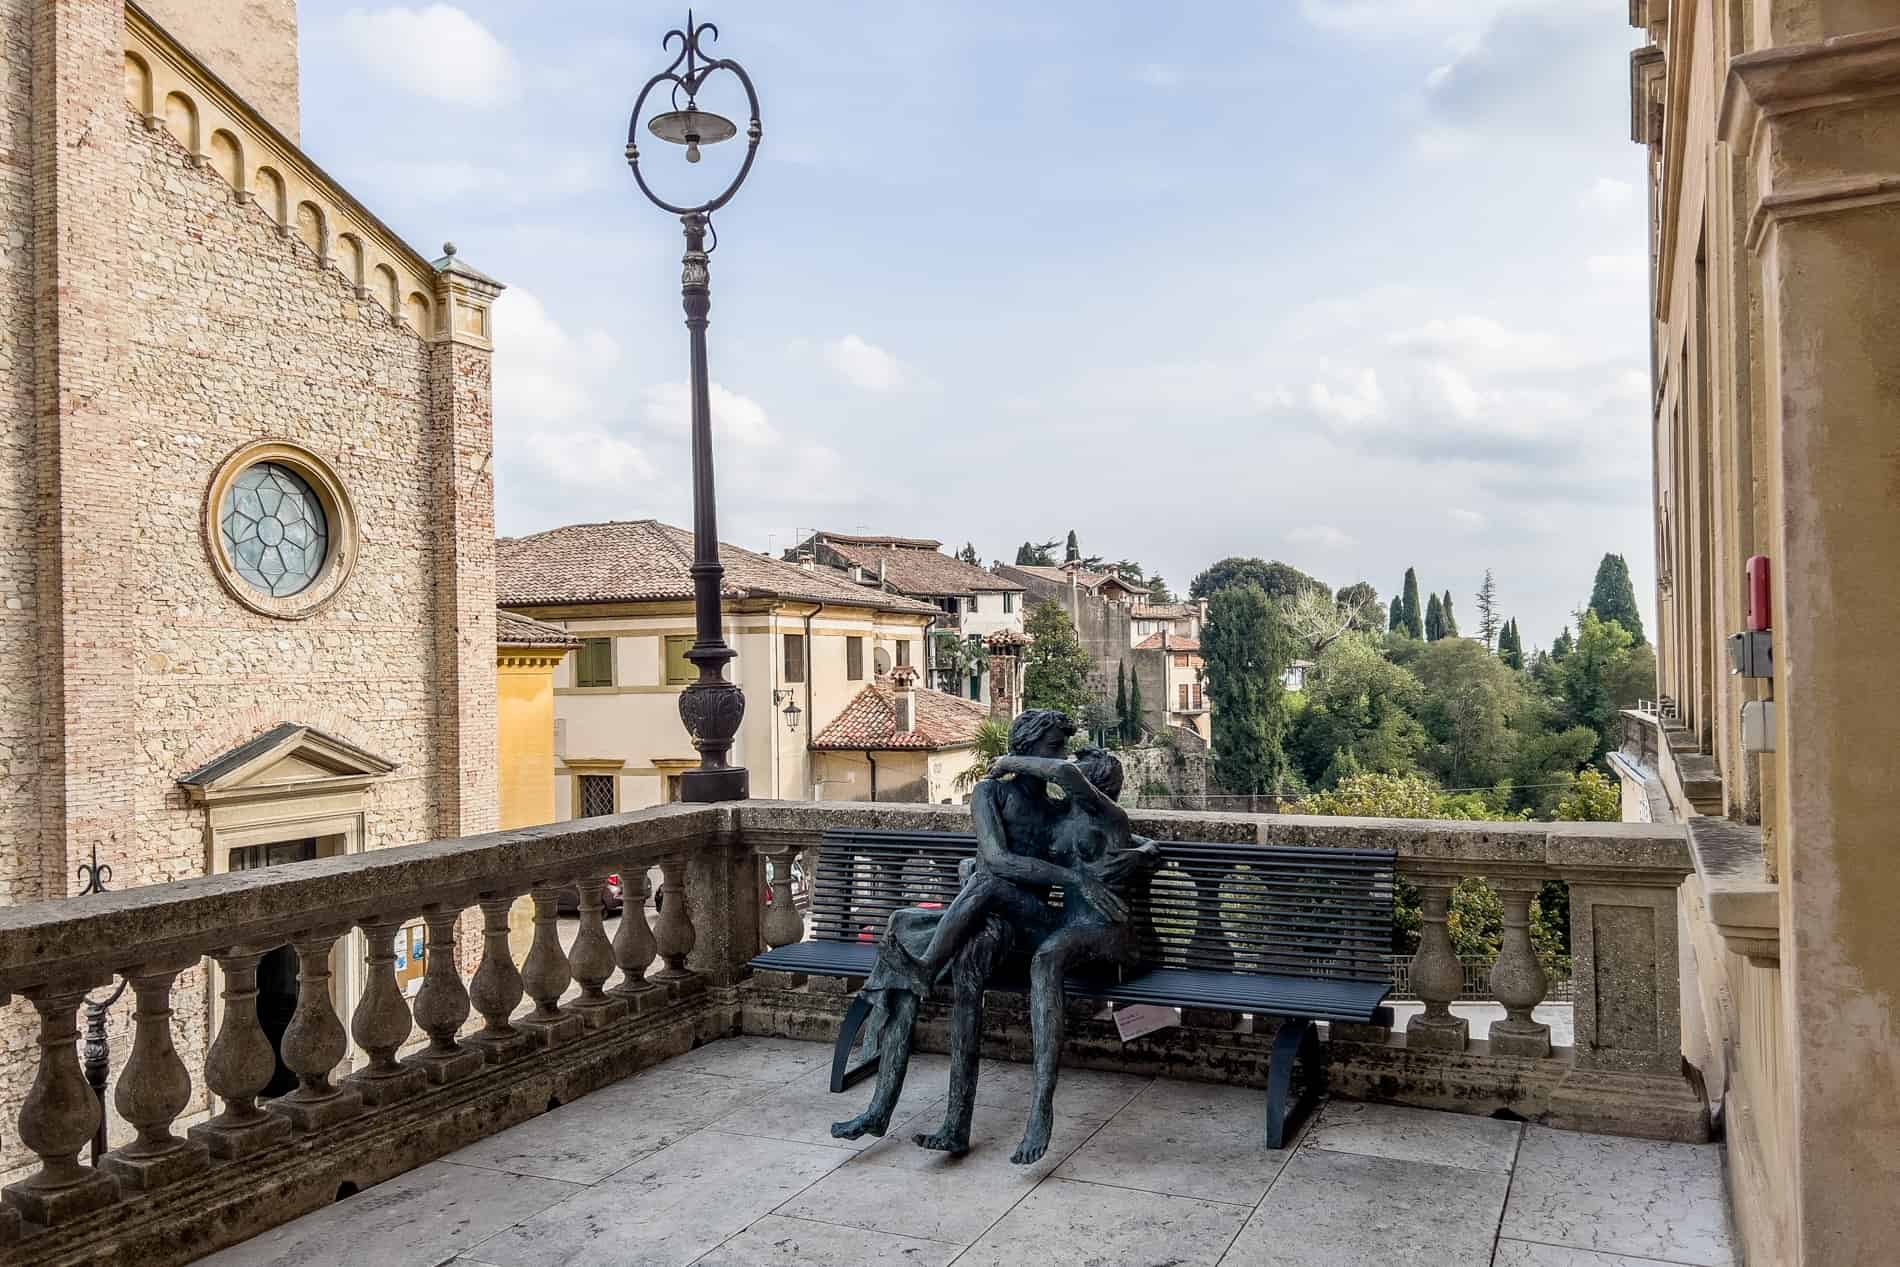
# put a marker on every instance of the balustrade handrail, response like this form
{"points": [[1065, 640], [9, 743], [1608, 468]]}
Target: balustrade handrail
{"points": [[79, 939]]}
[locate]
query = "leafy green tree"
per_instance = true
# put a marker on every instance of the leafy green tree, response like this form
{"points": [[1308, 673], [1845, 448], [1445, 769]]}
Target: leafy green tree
{"points": [[1073, 552], [1158, 592], [1613, 598], [1604, 673], [1447, 618], [1434, 620], [1360, 715], [1471, 700], [1055, 666], [1562, 646], [1593, 799], [1395, 618], [1031, 555], [969, 555], [1362, 602], [1135, 725], [1275, 579], [1247, 649], [1488, 623], [1121, 700], [1413, 613]]}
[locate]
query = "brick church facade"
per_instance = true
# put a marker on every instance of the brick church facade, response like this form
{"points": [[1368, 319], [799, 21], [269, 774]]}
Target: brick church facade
{"points": [[247, 605]]}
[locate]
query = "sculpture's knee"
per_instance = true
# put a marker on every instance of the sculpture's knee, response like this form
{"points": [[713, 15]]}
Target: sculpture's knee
{"points": [[1046, 967]]}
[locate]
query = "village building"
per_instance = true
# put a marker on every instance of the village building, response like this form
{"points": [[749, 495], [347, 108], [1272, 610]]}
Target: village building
{"points": [[808, 643], [894, 742], [1173, 689], [975, 603]]}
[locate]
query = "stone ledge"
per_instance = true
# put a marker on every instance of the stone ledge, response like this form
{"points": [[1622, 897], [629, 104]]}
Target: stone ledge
{"points": [[1742, 902], [231, 1203]]}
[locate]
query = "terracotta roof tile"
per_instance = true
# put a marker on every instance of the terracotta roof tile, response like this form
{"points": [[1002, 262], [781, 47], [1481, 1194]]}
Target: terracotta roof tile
{"points": [[913, 565], [1165, 641], [512, 629], [869, 722], [634, 560]]}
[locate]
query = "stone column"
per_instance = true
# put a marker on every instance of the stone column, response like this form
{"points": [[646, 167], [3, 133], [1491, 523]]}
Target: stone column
{"points": [[1517, 979], [58, 1117], [634, 946], [1817, 114], [154, 1088], [459, 408], [1438, 977], [592, 959]]}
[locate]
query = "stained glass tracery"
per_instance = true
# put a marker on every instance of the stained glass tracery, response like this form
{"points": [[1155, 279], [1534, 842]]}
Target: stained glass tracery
{"points": [[275, 532]]}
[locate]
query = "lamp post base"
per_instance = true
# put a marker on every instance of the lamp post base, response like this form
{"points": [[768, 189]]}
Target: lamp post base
{"points": [[702, 787]]}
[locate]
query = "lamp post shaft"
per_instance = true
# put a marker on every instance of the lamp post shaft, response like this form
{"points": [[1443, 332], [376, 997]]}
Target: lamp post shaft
{"points": [[711, 707]]}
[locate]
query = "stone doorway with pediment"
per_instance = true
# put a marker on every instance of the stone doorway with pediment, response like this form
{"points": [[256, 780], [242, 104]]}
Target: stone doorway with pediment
{"points": [[290, 795]]}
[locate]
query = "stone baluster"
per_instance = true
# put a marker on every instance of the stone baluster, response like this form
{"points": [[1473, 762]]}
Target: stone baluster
{"points": [[381, 1022], [1517, 979], [675, 936], [240, 1064], [58, 1117], [497, 988], [592, 959], [315, 1042], [442, 1003], [780, 924], [1437, 975], [545, 974], [154, 1088], [634, 946]]}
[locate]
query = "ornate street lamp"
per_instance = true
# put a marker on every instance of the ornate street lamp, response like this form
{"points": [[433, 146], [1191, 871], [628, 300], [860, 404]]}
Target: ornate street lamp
{"points": [[711, 707]]}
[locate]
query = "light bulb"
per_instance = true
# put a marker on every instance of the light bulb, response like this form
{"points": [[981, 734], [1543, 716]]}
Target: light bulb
{"points": [[692, 151]]}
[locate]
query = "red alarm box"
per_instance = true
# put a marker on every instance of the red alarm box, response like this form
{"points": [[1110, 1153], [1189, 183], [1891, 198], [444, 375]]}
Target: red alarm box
{"points": [[1760, 618]]}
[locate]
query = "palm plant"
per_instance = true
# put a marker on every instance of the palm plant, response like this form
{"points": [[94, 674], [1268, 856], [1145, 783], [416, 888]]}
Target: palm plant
{"points": [[992, 741]]}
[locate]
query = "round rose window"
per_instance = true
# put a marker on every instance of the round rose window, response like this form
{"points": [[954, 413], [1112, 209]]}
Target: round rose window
{"points": [[276, 535]]}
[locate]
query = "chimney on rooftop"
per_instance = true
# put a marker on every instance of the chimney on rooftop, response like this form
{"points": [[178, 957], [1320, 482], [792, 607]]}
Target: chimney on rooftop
{"points": [[807, 560], [904, 684]]}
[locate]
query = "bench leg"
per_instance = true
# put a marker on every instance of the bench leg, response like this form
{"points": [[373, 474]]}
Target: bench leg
{"points": [[1298, 1040], [843, 1074]]}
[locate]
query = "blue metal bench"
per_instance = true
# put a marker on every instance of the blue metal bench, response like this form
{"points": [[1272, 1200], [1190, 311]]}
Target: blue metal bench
{"points": [[1297, 933]]}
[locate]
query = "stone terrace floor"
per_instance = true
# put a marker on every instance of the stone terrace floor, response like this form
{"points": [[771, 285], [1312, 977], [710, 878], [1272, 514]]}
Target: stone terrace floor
{"points": [[722, 1156]]}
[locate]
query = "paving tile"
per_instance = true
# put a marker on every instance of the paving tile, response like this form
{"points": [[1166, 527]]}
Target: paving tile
{"points": [[666, 1210], [1090, 1093], [758, 1059], [1621, 1196], [1406, 1134], [1527, 1254], [995, 1130], [1185, 1139], [598, 1134], [1085, 1223], [1346, 1210], [804, 1111], [417, 1219], [955, 1203], [776, 1241]]}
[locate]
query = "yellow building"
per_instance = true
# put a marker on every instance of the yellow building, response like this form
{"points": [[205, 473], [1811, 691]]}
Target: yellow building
{"points": [[807, 643], [527, 653], [1772, 130]]}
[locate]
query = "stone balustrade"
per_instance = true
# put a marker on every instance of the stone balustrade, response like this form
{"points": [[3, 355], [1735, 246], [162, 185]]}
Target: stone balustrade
{"points": [[1623, 1074], [390, 1081], [394, 1082]]}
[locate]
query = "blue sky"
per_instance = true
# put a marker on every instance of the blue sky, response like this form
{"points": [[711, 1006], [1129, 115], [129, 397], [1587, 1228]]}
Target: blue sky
{"points": [[1358, 284]]}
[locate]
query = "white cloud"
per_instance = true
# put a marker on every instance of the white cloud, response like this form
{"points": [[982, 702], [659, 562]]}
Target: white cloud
{"points": [[735, 418], [1358, 401], [1483, 343], [1158, 75], [1610, 196], [1398, 17], [1631, 267], [865, 365], [1324, 536], [437, 51], [1465, 520]]}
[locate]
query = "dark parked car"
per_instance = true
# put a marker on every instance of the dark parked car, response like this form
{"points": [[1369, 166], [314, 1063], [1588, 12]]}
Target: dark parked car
{"points": [[569, 902]]}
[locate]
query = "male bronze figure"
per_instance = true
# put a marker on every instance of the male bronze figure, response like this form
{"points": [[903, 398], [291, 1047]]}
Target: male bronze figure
{"points": [[1043, 823]]}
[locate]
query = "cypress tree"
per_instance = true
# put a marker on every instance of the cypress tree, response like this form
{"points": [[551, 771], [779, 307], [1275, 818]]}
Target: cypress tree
{"points": [[1134, 712], [1613, 598], [1447, 621], [1510, 649], [1413, 613], [1561, 647], [1395, 619], [1121, 699], [1074, 553], [1434, 620]]}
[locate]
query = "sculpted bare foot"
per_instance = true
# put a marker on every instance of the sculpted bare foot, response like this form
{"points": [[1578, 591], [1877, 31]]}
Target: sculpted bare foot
{"points": [[1035, 1140], [945, 1140], [865, 1123]]}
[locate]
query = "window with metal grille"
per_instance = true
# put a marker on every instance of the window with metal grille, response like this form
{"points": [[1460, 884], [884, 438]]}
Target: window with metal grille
{"points": [[597, 795], [594, 663], [854, 659]]}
